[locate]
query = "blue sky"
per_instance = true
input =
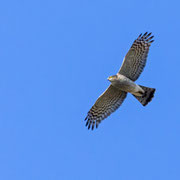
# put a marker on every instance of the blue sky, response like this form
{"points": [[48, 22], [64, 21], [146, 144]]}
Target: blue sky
{"points": [[55, 60]]}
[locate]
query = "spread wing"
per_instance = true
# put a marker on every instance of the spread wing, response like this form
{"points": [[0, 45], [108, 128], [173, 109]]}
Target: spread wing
{"points": [[135, 60], [106, 104]]}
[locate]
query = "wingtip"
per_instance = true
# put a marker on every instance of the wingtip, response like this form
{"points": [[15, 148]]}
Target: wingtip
{"points": [[151, 41], [146, 37], [145, 33], [139, 36], [87, 123]]}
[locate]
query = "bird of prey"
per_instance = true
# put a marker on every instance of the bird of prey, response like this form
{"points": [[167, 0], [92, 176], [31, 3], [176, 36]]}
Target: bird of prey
{"points": [[124, 82]]}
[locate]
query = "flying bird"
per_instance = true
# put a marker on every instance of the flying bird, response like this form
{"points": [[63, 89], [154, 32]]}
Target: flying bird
{"points": [[124, 82]]}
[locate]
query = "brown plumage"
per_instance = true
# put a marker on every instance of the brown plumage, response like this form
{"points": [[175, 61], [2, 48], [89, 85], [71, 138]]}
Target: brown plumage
{"points": [[122, 83]]}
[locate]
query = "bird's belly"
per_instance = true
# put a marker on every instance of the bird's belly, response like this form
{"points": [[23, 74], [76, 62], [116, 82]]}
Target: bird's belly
{"points": [[125, 86], [130, 87]]}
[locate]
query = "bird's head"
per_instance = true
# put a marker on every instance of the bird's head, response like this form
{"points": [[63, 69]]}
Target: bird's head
{"points": [[112, 78]]}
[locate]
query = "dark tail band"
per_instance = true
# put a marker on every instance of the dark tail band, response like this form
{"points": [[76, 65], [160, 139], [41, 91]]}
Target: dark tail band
{"points": [[147, 96]]}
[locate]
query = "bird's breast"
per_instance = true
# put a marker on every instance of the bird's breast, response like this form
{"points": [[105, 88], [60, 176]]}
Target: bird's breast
{"points": [[125, 84]]}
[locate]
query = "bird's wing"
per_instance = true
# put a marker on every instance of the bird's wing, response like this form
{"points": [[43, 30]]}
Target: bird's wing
{"points": [[135, 60], [106, 104]]}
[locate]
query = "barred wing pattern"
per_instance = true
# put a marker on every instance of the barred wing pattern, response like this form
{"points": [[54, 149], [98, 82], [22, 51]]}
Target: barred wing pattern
{"points": [[106, 104], [135, 60]]}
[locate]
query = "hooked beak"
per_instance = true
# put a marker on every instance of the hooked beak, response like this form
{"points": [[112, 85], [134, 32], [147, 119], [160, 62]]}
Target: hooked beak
{"points": [[109, 78]]}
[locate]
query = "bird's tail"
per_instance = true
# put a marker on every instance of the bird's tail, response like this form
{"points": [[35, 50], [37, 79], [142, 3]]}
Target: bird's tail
{"points": [[147, 96]]}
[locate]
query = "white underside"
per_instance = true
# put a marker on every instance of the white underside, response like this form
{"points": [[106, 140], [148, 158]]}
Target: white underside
{"points": [[125, 84]]}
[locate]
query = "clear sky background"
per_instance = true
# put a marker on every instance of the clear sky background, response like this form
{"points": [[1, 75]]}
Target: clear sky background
{"points": [[55, 57]]}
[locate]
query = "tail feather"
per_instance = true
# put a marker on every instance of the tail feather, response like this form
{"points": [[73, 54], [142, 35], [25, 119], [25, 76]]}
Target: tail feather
{"points": [[147, 96]]}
